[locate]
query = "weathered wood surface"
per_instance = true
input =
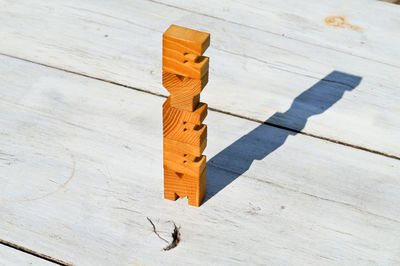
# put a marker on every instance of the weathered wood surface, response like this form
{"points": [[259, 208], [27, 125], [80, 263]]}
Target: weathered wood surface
{"points": [[367, 36], [264, 54], [12, 257], [81, 169]]}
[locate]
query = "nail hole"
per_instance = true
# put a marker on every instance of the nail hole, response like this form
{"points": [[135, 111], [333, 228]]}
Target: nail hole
{"points": [[184, 129], [185, 155], [184, 122], [185, 61], [184, 161]]}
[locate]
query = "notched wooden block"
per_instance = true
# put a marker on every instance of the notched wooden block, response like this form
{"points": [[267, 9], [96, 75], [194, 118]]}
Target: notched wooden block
{"points": [[185, 92], [185, 164], [188, 133], [182, 52], [171, 114], [185, 74], [185, 68], [184, 126], [180, 147], [181, 185], [175, 83]]}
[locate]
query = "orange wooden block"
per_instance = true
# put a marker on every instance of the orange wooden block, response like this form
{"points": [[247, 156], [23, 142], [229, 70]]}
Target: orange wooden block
{"points": [[193, 69], [180, 185], [185, 74], [187, 40], [184, 163], [185, 148], [181, 116], [185, 92], [184, 126], [187, 133], [182, 50]]}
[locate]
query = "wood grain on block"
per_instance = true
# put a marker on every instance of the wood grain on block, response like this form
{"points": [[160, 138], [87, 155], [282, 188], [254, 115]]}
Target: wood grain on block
{"points": [[188, 133], [185, 92], [182, 50], [181, 116], [185, 103], [196, 150], [184, 163], [186, 40], [178, 185], [184, 126], [176, 63]]}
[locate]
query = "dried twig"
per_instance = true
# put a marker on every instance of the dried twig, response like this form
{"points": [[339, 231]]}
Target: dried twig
{"points": [[155, 231], [176, 237]]}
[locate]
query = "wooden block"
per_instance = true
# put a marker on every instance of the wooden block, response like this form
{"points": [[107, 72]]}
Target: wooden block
{"points": [[184, 126], [188, 133], [184, 163], [173, 63], [185, 92], [182, 50], [171, 114], [186, 40], [181, 185], [185, 74], [180, 147], [183, 102]]}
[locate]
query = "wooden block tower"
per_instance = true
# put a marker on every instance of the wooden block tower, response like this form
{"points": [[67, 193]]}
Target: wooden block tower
{"points": [[185, 74]]}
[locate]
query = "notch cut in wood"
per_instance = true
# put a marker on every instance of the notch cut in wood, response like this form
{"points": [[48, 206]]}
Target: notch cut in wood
{"points": [[182, 52]]}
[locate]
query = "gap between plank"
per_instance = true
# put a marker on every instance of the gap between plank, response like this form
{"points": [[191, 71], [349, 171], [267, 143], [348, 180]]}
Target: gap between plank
{"points": [[307, 134], [214, 109], [34, 253]]}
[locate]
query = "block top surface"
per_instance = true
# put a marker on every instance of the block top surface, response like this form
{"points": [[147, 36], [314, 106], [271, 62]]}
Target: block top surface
{"points": [[192, 38]]}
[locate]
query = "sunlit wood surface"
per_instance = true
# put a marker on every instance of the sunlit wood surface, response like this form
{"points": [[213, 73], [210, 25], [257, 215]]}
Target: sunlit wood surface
{"points": [[303, 134]]}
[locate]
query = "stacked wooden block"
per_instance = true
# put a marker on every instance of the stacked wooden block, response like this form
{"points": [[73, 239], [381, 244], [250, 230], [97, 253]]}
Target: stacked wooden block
{"points": [[185, 74]]}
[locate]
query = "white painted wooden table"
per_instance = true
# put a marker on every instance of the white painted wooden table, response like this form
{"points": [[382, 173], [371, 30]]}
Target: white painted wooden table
{"points": [[303, 144]]}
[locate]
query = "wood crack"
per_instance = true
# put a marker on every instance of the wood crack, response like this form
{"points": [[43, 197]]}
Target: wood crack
{"points": [[34, 253], [126, 209]]}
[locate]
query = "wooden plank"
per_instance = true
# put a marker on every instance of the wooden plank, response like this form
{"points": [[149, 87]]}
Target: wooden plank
{"points": [[257, 72], [81, 170], [347, 26], [10, 256]]}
